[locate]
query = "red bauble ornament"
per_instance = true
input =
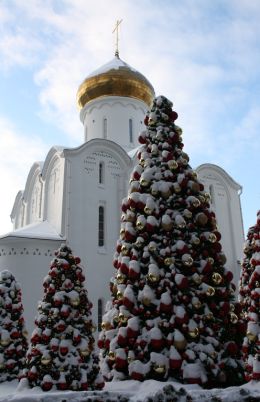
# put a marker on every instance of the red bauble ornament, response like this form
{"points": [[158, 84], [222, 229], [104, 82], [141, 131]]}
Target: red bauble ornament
{"points": [[137, 376], [64, 350], [120, 363], [47, 386], [175, 364], [77, 260]]}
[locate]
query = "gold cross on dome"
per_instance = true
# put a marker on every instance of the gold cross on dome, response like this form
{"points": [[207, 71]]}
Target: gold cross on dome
{"points": [[116, 29]]}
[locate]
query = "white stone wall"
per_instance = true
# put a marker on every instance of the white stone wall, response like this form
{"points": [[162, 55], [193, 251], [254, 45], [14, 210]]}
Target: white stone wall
{"points": [[29, 261], [84, 194], [225, 196], [117, 111]]}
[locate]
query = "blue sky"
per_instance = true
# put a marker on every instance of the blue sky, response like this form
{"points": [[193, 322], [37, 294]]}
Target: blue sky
{"points": [[203, 55]]}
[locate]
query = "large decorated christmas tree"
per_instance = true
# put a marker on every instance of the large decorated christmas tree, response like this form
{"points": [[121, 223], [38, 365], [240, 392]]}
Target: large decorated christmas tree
{"points": [[250, 301], [61, 353], [13, 334], [171, 312]]}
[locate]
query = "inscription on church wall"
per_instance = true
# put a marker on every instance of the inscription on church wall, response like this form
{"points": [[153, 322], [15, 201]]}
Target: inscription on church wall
{"points": [[112, 165], [24, 251], [89, 164]]}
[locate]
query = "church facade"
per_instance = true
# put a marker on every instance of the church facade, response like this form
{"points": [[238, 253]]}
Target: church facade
{"points": [[75, 195]]}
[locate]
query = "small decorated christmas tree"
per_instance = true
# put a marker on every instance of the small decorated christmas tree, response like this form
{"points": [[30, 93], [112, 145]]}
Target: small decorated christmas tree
{"points": [[171, 312], [250, 301], [61, 353], [13, 335]]}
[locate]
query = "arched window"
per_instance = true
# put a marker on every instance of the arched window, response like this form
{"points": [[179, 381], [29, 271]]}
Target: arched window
{"points": [[101, 226], [131, 137], [100, 313], [101, 172], [104, 128]]}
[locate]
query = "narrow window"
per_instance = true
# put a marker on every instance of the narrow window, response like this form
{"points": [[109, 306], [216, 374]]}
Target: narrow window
{"points": [[101, 173], [131, 139], [211, 192], [104, 128], [86, 133], [101, 226], [100, 313]]}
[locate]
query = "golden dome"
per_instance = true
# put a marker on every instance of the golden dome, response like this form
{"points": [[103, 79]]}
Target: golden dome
{"points": [[115, 78]]}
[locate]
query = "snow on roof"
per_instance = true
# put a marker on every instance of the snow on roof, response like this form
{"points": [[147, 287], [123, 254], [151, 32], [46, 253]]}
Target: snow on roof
{"points": [[113, 64], [39, 230], [133, 152]]}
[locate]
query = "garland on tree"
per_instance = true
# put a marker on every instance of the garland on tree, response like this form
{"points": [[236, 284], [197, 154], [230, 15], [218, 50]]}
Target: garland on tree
{"points": [[13, 335], [250, 300], [171, 312], [61, 352]]}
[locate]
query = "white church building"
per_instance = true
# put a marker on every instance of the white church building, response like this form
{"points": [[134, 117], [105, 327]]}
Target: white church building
{"points": [[75, 195]]}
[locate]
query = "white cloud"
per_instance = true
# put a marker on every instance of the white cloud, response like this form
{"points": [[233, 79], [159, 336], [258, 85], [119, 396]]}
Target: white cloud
{"points": [[17, 155]]}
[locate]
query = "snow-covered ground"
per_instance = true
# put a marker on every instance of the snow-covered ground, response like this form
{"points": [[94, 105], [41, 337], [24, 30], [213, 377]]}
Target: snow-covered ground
{"points": [[133, 391]]}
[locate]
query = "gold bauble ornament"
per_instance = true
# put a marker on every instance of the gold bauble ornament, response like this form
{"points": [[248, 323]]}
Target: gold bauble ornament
{"points": [[207, 197], [45, 360], [105, 325], [144, 182], [120, 278], [202, 199], [257, 284], [194, 333], [177, 188], [213, 354], [180, 344], [139, 243], [124, 250], [201, 219], [140, 225], [168, 261], [197, 279], [233, 318], [148, 210], [122, 234], [111, 355], [146, 301], [209, 316], [188, 262], [211, 260], [196, 202], [197, 305], [119, 295], [152, 247], [178, 130], [232, 307], [130, 359], [173, 164], [216, 278], [251, 336], [212, 238], [159, 368], [167, 226], [122, 318], [153, 278], [75, 302], [210, 291], [85, 352], [5, 342], [195, 240]]}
